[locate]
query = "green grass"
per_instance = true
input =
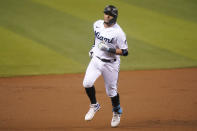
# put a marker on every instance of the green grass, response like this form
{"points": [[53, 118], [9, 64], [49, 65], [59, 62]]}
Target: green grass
{"points": [[54, 36], [21, 54]]}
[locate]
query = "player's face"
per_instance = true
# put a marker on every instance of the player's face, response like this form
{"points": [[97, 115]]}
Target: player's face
{"points": [[107, 18]]}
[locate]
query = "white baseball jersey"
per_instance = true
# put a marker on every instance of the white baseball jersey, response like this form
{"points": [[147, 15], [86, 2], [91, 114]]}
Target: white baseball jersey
{"points": [[113, 37]]}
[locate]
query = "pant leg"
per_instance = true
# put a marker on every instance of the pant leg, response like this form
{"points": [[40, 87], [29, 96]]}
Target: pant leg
{"points": [[92, 73], [110, 74]]}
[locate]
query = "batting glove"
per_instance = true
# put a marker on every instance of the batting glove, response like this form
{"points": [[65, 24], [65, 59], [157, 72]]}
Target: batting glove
{"points": [[91, 53], [103, 46]]}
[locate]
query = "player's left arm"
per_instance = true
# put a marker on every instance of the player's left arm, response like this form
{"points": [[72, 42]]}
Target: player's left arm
{"points": [[123, 52], [117, 51], [121, 48], [122, 45]]}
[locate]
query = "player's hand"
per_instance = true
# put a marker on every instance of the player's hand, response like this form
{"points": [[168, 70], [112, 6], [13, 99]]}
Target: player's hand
{"points": [[91, 53], [103, 46]]}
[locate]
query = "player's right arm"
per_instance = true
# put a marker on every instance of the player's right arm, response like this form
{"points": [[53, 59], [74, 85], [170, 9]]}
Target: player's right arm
{"points": [[91, 52]]}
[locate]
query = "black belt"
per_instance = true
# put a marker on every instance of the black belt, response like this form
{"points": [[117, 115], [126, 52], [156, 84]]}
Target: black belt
{"points": [[106, 60]]}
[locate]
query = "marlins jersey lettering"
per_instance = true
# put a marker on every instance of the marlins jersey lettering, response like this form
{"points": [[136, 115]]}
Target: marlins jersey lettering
{"points": [[114, 37]]}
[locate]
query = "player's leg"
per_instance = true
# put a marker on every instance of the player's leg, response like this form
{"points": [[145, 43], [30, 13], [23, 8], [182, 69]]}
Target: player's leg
{"points": [[117, 111], [92, 73], [110, 75]]}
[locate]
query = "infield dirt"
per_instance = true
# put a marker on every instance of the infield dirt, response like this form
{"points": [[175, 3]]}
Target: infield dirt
{"points": [[154, 100]]}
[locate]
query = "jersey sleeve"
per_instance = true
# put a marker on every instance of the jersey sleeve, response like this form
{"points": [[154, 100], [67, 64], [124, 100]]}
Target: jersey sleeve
{"points": [[121, 41], [94, 26], [97, 23]]}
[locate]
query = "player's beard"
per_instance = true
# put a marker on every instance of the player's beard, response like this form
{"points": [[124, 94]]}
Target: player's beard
{"points": [[110, 22]]}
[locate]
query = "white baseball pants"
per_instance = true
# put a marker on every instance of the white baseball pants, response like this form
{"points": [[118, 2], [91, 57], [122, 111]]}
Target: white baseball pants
{"points": [[109, 71]]}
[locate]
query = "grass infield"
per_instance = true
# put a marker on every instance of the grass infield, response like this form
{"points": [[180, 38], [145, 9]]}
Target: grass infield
{"points": [[54, 36]]}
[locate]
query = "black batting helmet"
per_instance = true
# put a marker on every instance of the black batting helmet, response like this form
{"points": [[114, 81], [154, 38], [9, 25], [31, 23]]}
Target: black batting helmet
{"points": [[112, 11]]}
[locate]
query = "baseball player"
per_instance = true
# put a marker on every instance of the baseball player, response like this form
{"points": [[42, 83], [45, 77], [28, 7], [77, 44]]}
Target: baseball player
{"points": [[110, 42]]}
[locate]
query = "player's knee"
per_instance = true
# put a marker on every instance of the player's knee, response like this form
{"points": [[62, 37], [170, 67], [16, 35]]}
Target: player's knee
{"points": [[111, 92], [87, 84]]}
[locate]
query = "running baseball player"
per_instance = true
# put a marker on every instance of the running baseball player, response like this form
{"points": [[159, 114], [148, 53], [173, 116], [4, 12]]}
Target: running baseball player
{"points": [[110, 42]]}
